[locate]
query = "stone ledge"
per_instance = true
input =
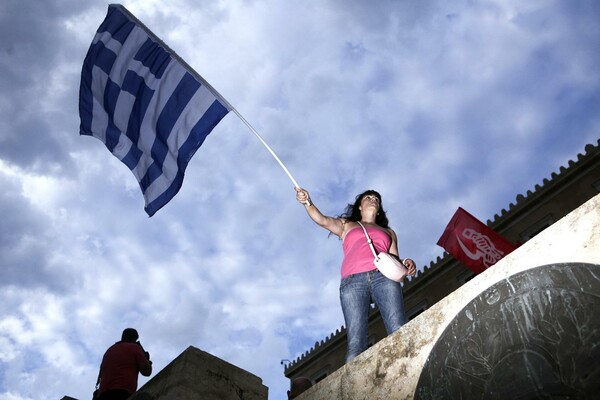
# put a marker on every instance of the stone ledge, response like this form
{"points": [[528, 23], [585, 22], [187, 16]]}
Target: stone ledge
{"points": [[195, 374]]}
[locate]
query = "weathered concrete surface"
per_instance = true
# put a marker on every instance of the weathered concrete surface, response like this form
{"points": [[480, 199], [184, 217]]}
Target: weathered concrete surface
{"points": [[533, 335], [195, 374], [392, 367]]}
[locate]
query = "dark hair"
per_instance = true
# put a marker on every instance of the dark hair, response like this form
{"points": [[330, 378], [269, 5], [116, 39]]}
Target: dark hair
{"points": [[129, 335], [352, 212]]}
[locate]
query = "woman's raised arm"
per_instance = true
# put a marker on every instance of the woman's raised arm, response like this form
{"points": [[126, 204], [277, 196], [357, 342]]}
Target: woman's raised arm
{"points": [[333, 225]]}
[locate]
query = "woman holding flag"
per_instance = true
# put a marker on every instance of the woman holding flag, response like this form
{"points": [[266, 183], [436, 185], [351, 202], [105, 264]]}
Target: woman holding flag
{"points": [[362, 284]]}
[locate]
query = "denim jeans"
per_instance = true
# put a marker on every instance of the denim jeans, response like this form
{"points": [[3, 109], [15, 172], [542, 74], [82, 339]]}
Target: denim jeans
{"points": [[357, 292]]}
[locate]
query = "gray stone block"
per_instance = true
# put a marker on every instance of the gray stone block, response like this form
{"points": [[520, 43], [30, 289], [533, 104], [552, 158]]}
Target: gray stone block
{"points": [[195, 374]]}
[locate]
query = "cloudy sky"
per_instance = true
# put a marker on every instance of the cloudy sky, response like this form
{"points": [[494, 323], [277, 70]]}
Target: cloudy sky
{"points": [[436, 104]]}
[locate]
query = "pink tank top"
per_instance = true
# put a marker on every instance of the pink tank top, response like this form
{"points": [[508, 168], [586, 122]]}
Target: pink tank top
{"points": [[358, 256]]}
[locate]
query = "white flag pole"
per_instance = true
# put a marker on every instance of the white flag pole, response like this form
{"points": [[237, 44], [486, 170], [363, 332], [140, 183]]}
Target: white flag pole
{"points": [[308, 203], [267, 146]]}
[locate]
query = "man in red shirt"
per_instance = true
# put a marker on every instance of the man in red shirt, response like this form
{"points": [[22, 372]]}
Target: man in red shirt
{"points": [[120, 367]]}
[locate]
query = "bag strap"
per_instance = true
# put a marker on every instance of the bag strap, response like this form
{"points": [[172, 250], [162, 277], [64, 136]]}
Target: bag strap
{"points": [[369, 240]]}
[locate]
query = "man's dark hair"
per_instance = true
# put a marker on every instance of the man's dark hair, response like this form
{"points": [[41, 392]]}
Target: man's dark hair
{"points": [[129, 335]]}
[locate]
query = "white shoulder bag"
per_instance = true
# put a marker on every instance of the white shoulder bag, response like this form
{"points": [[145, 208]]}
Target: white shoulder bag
{"points": [[387, 264]]}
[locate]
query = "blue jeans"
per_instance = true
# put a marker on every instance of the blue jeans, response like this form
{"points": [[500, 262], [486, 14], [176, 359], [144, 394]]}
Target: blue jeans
{"points": [[357, 292]]}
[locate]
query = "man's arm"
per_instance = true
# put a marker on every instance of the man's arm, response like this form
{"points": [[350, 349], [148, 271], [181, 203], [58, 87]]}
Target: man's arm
{"points": [[143, 362], [145, 368]]}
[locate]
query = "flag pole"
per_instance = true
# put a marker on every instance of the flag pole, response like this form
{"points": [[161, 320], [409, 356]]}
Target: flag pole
{"points": [[307, 202], [267, 146]]}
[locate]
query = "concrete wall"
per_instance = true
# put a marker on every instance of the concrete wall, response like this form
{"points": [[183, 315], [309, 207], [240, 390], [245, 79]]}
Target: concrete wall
{"points": [[393, 367], [195, 374]]}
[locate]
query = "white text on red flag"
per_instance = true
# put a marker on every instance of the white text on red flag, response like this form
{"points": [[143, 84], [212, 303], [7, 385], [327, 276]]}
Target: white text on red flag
{"points": [[473, 243]]}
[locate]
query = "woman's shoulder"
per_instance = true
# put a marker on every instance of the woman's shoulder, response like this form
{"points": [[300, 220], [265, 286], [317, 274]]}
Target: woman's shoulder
{"points": [[347, 226]]}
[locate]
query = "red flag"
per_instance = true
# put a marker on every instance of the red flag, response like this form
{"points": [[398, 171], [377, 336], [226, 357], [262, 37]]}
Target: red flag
{"points": [[473, 243]]}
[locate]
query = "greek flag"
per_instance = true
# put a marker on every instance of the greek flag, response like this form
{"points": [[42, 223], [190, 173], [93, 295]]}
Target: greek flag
{"points": [[151, 110]]}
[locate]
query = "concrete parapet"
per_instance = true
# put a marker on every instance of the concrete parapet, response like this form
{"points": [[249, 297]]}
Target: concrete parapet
{"points": [[502, 334], [195, 374]]}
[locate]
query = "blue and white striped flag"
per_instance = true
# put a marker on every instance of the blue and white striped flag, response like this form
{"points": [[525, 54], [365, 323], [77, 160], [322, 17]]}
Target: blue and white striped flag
{"points": [[151, 110]]}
